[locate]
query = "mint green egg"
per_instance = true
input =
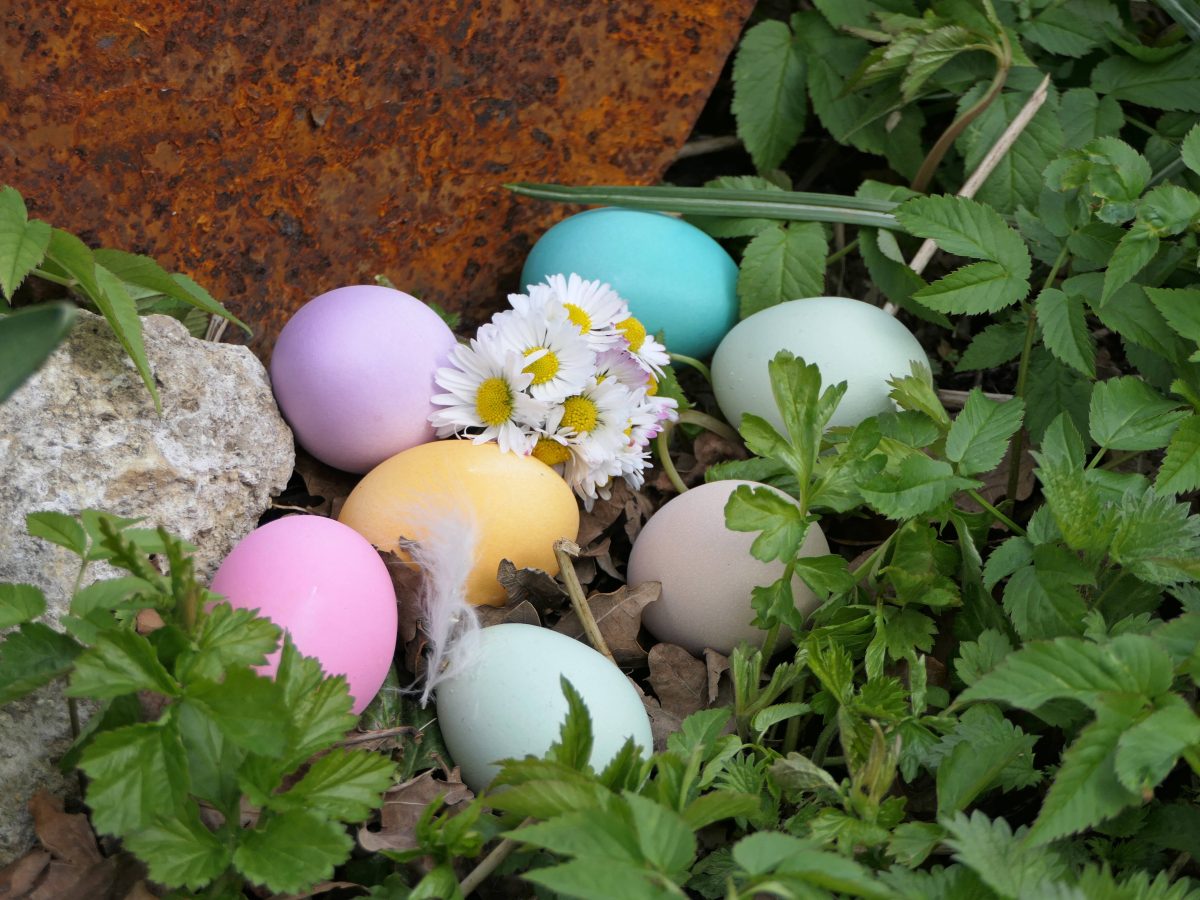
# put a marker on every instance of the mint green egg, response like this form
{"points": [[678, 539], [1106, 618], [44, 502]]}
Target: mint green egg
{"points": [[676, 278]]}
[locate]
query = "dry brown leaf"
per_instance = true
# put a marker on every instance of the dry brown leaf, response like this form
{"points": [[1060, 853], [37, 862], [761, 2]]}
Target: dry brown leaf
{"points": [[600, 554], [720, 684], [522, 613], [619, 618], [141, 891], [637, 507], [328, 485], [19, 876], [680, 681], [593, 523], [534, 585], [68, 836], [663, 724], [403, 805]]}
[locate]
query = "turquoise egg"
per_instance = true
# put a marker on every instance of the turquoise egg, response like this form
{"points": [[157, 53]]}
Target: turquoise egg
{"points": [[676, 278]]}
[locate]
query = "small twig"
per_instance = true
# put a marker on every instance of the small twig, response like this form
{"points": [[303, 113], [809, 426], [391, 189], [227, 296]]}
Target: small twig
{"points": [[708, 145], [216, 328], [565, 551], [985, 168], [490, 863], [958, 399], [368, 736]]}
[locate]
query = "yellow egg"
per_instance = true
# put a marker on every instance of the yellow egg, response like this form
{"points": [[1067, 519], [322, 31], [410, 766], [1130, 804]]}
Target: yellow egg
{"points": [[519, 505]]}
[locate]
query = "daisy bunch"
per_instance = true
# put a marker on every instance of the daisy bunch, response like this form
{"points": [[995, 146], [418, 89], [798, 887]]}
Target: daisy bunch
{"points": [[567, 375]]}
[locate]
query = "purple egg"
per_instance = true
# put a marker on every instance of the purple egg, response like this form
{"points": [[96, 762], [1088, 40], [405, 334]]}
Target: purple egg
{"points": [[353, 374]]}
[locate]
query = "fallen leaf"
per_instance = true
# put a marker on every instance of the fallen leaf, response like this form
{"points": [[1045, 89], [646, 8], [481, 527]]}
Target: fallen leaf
{"points": [[328, 486], [593, 523], [663, 724], [403, 805], [680, 681], [534, 585], [522, 613], [619, 617], [720, 685], [20, 875], [68, 836], [710, 449], [637, 507], [601, 554]]}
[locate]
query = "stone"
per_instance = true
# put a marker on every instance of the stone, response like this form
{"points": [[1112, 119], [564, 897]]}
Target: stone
{"points": [[83, 432]]}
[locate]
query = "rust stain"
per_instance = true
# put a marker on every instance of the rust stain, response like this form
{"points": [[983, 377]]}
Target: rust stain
{"points": [[274, 152]]}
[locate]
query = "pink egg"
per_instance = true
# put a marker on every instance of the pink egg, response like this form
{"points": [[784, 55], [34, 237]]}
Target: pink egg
{"points": [[353, 374], [327, 586]]}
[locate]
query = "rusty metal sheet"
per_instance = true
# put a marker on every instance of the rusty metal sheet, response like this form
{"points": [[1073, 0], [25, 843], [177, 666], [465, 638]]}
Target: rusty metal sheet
{"points": [[278, 150]]}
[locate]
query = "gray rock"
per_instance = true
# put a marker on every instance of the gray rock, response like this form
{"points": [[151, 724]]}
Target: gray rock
{"points": [[82, 433]]}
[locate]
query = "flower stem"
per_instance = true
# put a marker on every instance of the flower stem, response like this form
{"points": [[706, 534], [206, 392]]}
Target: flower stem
{"points": [[565, 551], [712, 423], [663, 445], [694, 363]]}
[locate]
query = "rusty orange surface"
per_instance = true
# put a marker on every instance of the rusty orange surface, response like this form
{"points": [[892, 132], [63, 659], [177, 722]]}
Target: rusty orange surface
{"points": [[278, 150]]}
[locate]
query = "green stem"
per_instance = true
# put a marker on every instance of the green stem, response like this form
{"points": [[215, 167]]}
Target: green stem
{"points": [[869, 563], [772, 638], [939, 150], [663, 444], [694, 363], [838, 254], [999, 516], [823, 742], [56, 279], [711, 423], [791, 737], [1018, 444]]}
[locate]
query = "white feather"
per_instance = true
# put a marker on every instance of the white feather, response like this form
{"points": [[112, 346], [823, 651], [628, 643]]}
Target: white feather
{"points": [[445, 557]]}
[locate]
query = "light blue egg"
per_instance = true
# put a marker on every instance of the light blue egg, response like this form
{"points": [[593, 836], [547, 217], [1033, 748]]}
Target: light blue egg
{"points": [[676, 278]]}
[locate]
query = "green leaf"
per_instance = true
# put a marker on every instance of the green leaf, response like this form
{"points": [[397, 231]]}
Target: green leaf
{"points": [[915, 392], [20, 603], [213, 761], [292, 851], [247, 707], [1170, 84], [137, 773], [33, 655], [27, 338], [782, 263], [1180, 469], [1181, 309], [598, 879], [800, 774], [1054, 389], [1148, 751], [984, 751], [144, 272], [58, 528], [121, 312], [319, 707], [343, 784], [231, 637], [1086, 791], [664, 838], [1002, 859], [1134, 251], [720, 804], [1065, 331], [1189, 151], [804, 408], [920, 485], [22, 243], [120, 662], [1128, 414], [1043, 603], [1156, 538], [125, 593], [913, 842], [994, 346], [978, 657], [1074, 669], [1086, 116], [768, 92], [1072, 28], [179, 851], [781, 521], [729, 226], [982, 287], [980, 434], [574, 745]]}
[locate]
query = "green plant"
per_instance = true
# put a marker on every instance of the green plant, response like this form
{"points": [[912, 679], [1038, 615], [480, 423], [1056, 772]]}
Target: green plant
{"points": [[188, 737], [121, 286]]}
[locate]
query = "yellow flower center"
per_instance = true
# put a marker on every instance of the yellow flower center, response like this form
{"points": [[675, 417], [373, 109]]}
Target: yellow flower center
{"points": [[652, 387], [579, 317], [634, 331], [552, 453], [494, 401], [579, 414], [544, 368]]}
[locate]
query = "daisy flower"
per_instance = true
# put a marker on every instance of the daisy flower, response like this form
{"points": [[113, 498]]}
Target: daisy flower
{"points": [[556, 355], [593, 307], [486, 387], [624, 368], [642, 346]]}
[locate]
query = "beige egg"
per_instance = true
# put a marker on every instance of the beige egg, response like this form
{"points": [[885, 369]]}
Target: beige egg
{"points": [[707, 572]]}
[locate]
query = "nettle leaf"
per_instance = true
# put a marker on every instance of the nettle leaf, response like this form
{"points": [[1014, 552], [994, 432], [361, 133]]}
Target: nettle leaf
{"points": [[980, 434], [782, 523], [574, 745], [1148, 751], [291, 851], [1002, 859], [120, 662], [20, 603], [1181, 308], [343, 784], [1074, 669], [919, 486], [1180, 469], [974, 230], [22, 243], [33, 655], [782, 263], [1170, 84], [1128, 414], [319, 707], [1086, 116], [1133, 252], [768, 92], [1065, 330], [180, 851], [137, 773], [231, 637], [1011, 555], [213, 761], [1086, 790], [1156, 538], [983, 751], [247, 707]]}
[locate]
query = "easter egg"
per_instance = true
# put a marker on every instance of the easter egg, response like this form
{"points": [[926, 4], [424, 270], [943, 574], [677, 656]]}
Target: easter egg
{"points": [[508, 702], [353, 374], [325, 585], [676, 278], [516, 506], [848, 340], [707, 572]]}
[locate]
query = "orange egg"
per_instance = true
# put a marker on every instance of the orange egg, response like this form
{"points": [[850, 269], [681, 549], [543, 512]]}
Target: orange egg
{"points": [[519, 505]]}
